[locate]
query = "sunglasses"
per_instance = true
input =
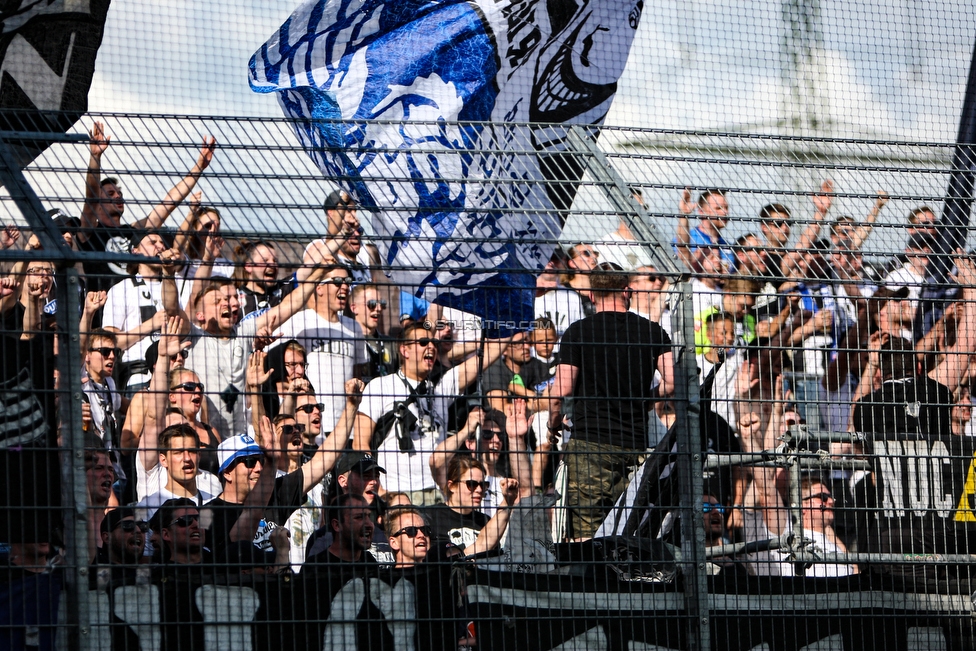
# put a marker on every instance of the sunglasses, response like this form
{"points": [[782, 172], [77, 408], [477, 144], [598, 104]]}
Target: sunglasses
{"points": [[338, 282], [183, 353], [426, 341], [106, 351], [413, 531], [129, 526], [475, 485], [707, 507], [185, 521], [250, 462], [190, 387], [489, 434], [373, 304], [291, 430], [311, 407], [823, 497]]}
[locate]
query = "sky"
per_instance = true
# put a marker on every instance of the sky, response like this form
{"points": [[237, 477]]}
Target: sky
{"points": [[893, 70]]}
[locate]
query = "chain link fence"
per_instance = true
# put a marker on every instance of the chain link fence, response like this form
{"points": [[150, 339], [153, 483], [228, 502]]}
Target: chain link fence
{"points": [[712, 391]]}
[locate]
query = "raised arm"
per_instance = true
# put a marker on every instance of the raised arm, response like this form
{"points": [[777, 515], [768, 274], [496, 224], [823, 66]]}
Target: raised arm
{"points": [[34, 294], [516, 428], [442, 454], [155, 421], [93, 302], [468, 371], [683, 235], [491, 535], [255, 378], [864, 228], [821, 206], [181, 190], [97, 145], [331, 449], [956, 361]]}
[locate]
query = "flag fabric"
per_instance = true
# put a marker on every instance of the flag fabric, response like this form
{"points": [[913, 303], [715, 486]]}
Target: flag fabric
{"points": [[47, 55], [462, 213]]}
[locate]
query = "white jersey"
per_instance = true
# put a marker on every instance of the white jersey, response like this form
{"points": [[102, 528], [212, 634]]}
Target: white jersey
{"points": [[128, 305], [410, 471], [334, 348], [221, 364]]}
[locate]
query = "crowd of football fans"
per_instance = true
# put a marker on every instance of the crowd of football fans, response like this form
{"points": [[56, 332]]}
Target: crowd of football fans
{"points": [[245, 407]]}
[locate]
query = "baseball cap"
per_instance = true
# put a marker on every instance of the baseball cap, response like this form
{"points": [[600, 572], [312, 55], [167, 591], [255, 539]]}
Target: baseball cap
{"points": [[361, 462], [338, 198], [235, 448]]}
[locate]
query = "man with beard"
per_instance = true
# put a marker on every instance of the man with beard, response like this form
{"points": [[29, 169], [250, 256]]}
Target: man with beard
{"points": [[123, 538], [404, 415], [222, 343], [183, 537], [262, 289], [335, 351], [101, 219]]}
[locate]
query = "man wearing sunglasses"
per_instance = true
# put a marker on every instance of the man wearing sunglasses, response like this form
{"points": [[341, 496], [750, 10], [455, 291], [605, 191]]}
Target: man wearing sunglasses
{"points": [[412, 412], [184, 538], [409, 536], [100, 392], [123, 538], [255, 499], [368, 309], [335, 351]]}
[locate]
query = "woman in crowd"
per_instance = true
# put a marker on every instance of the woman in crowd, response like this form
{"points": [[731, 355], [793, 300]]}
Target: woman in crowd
{"points": [[460, 521]]}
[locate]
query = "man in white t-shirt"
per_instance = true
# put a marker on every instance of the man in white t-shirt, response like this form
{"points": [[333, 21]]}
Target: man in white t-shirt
{"points": [[334, 345], [912, 274], [554, 301], [176, 472], [411, 412], [222, 343]]}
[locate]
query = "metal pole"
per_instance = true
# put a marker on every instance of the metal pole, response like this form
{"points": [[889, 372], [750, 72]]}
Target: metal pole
{"points": [[959, 195], [73, 457], [690, 480]]}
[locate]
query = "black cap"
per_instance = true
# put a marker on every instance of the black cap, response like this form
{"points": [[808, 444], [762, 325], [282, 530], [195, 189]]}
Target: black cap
{"points": [[114, 518], [361, 462], [338, 198], [63, 220]]}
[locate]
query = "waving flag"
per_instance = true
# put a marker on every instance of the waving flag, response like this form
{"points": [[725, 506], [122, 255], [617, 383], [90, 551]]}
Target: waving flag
{"points": [[461, 213]]}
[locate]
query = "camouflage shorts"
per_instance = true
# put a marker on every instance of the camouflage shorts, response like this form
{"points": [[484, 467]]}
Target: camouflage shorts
{"points": [[596, 476]]}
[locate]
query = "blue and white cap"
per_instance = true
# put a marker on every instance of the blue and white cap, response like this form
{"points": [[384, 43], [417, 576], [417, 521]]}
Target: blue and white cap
{"points": [[235, 448]]}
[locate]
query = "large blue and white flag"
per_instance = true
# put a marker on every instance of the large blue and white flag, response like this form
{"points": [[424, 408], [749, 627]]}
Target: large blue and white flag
{"points": [[461, 213]]}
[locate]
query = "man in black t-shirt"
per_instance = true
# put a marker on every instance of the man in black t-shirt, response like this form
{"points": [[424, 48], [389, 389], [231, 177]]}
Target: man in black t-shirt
{"points": [[517, 371], [607, 363], [102, 229]]}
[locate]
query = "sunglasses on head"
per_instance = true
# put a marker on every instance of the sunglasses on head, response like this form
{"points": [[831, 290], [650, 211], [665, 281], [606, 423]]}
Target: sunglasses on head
{"points": [[373, 304], [185, 521], [291, 430], [489, 434], [710, 506], [129, 526], [105, 351], [473, 485], [413, 531], [190, 387], [309, 408]]}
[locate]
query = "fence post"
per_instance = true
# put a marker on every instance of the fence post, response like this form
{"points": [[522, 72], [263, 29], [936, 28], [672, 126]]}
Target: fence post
{"points": [[690, 481]]}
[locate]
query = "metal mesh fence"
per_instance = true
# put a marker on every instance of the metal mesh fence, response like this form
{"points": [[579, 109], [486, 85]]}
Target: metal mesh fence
{"points": [[695, 390]]}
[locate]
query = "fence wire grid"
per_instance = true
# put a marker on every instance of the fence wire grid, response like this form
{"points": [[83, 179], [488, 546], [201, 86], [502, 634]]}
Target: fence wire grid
{"points": [[717, 396]]}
